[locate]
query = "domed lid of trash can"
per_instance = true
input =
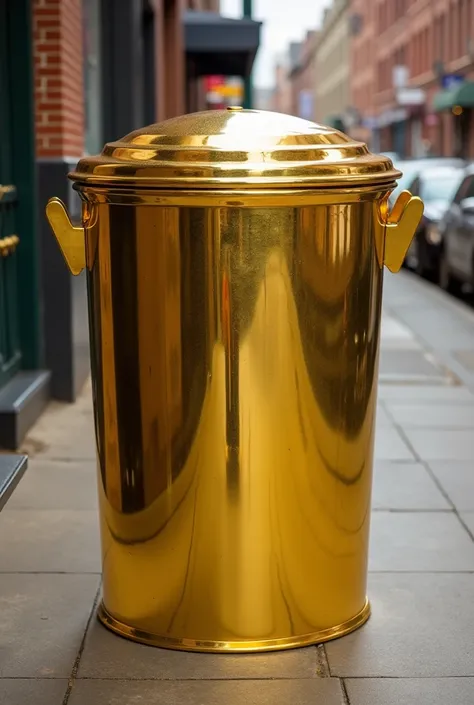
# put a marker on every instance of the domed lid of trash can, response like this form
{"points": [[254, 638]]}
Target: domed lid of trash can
{"points": [[235, 148]]}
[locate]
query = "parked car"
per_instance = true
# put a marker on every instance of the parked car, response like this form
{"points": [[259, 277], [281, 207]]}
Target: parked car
{"points": [[412, 167], [456, 266], [436, 186]]}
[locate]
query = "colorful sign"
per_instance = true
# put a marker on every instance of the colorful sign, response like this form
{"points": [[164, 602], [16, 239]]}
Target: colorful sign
{"points": [[223, 90], [450, 81]]}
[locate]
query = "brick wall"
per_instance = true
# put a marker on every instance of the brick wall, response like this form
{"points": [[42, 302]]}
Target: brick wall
{"points": [[58, 78], [419, 34]]}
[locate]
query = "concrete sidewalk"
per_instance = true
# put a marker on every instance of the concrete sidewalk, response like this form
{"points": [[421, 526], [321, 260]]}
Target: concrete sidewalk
{"points": [[418, 647]]}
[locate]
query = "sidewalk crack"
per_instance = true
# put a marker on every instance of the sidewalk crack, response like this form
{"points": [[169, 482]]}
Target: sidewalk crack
{"points": [[345, 694], [75, 668]]}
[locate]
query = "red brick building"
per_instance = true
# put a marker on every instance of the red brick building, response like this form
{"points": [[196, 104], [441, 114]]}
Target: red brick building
{"points": [[363, 68], [302, 77], [102, 69], [423, 98], [281, 101]]}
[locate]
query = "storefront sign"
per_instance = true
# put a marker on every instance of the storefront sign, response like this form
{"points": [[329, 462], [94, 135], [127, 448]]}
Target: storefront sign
{"points": [[411, 97]]}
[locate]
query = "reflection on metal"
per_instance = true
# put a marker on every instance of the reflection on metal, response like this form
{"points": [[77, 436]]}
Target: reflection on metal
{"points": [[234, 323]]}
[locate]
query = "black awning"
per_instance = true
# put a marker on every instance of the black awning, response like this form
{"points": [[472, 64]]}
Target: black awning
{"points": [[220, 45]]}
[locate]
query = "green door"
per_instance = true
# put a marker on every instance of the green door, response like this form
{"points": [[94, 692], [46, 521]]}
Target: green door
{"points": [[10, 353]]}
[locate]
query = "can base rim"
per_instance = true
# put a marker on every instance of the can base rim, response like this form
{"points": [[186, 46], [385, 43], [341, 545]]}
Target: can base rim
{"points": [[243, 646]]}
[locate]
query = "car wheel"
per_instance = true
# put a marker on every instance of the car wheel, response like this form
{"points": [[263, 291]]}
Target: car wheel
{"points": [[447, 280]]}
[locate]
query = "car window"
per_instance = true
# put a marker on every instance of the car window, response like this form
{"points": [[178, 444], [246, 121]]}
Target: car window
{"points": [[466, 187], [439, 186], [470, 189]]}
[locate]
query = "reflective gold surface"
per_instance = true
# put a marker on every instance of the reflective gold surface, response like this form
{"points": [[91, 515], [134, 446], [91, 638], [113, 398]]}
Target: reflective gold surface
{"points": [[245, 148], [234, 351], [234, 365]]}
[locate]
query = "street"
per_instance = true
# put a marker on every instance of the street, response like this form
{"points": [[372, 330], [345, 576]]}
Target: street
{"points": [[417, 646]]}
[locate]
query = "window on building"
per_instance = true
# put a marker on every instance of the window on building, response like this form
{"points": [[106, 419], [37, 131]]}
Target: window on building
{"points": [[92, 76], [454, 49], [430, 57], [461, 28], [445, 18], [441, 41], [437, 40], [469, 12], [429, 47], [416, 63]]}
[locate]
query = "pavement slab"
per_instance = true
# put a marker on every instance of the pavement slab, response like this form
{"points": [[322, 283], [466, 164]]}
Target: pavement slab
{"points": [[457, 482], [405, 691], [390, 445], [440, 444], [405, 487], [422, 626], [326, 691], [446, 416], [50, 541], [32, 691], [53, 484], [106, 656], [42, 622], [419, 541]]}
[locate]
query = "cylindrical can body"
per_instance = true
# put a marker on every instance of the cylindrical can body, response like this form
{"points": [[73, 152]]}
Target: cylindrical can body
{"points": [[234, 362]]}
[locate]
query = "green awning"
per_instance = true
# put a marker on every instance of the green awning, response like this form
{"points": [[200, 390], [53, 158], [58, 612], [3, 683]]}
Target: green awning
{"points": [[335, 121], [462, 95]]}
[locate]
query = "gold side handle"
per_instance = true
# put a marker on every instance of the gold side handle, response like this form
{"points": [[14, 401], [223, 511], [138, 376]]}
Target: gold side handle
{"points": [[8, 245], [71, 240], [400, 229]]}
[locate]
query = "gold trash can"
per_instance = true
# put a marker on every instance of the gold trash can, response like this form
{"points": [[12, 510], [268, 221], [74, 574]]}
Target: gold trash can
{"points": [[234, 265]]}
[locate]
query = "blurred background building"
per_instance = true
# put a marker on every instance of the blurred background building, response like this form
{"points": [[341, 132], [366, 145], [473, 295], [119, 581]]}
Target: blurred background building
{"points": [[281, 100], [398, 74], [301, 76], [332, 66]]}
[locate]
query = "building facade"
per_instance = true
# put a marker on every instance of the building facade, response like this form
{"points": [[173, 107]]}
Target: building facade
{"points": [[363, 71], [24, 384], [331, 75], [76, 74], [281, 100], [102, 69], [302, 76], [421, 99]]}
